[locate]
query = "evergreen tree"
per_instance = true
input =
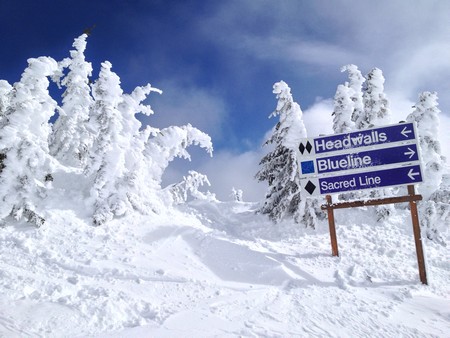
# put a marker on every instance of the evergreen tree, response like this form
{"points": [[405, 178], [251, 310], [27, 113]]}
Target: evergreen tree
{"points": [[343, 110], [190, 184], [71, 139], [376, 113], [107, 158], [165, 145], [237, 195], [280, 166], [356, 84], [5, 93], [376, 105], [434, 210], [426, 116], [26, 165], [135, 180]]}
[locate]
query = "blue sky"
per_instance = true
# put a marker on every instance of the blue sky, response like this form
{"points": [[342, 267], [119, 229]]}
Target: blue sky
{"points": [[216, 61]]}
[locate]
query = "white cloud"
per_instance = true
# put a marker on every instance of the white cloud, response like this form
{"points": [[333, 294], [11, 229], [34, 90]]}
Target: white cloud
{"points": [[408, 41], [318, 119], [227, 170], [179, 105]]}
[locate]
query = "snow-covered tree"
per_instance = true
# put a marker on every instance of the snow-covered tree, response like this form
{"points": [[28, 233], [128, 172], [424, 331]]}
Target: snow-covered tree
{"points": [[376, 113], [237, 194], [165, 145], [434, 210], [5, 93], [26, 165], [426, 115], [71, 139], [190, 185], [107, 157], [136, 173], [343, 110], [280, 166], [376, 105], [356, 81]]}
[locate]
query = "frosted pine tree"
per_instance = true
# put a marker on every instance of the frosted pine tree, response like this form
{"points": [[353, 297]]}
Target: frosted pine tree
{"points": [[107, 158], [5, 94], [356, 81], [133, 186], [165, 145], [280, 167], [26, 165], [189, 186], [343, 110], [426, 115], [71, 139], [237, 195], [376, 105], [376, 113], [434, 210]]}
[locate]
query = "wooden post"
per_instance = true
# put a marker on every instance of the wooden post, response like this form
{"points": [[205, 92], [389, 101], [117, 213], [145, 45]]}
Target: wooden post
{"points": [[334, 245], [417, 236]]}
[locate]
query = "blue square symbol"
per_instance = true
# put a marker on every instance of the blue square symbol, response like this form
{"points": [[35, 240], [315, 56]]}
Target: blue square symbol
{"points": [[307, 167]]}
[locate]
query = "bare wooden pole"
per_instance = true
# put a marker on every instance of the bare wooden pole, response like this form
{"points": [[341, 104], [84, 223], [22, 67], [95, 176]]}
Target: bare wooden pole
{"points": [[417, 236], [332, 225]]}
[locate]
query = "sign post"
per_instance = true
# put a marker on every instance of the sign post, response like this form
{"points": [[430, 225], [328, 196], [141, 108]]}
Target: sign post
{"points": [[367, 159]]}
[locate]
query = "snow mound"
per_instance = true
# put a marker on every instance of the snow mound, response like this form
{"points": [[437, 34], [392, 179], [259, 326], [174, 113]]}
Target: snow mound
{"points": [[214, 268]]}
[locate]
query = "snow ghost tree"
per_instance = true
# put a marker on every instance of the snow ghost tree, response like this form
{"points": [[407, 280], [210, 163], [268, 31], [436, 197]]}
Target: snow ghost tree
{"points": [[107, 158], [376, 113], [190, 184], [71, 138], [165, 145], [237, 195], [280, 166], [5, 92], [434, 209], [356, 81], [24, 132], [135, 183], [376, 106], [343, 110], [426, 115]]}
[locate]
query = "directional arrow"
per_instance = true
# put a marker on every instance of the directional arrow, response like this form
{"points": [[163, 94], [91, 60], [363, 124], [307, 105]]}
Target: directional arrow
{"points": [[410, 153], [405, 132], [411, 174]]}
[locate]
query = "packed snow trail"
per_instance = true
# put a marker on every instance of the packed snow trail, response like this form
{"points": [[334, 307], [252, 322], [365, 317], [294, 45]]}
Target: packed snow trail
{"points": [[217, 269]]}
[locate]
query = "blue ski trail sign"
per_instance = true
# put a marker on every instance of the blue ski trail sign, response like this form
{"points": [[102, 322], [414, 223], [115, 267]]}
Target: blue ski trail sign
{"points": [[369, 158], [361, 138], [362, 180], [366, 159]]}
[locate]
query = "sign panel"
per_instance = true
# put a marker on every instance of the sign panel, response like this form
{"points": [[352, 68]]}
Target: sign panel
{"points": [[358, 160], [322, 185], [361, 138]]}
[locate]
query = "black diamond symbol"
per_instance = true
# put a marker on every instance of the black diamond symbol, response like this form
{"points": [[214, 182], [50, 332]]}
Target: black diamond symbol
{"points": [[301, 148], [308, 147], [310, 187]]}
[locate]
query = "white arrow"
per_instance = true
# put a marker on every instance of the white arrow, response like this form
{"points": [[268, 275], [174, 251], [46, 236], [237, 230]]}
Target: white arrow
{"points": [[410, 152], [411, 174], [405, 132]]}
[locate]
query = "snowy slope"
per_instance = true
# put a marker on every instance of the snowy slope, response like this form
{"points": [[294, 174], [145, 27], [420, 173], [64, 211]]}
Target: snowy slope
{"points": [[215, 269]]}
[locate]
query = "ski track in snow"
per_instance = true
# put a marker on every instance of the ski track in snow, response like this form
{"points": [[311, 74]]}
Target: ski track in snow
{"points": [[219, 270]]}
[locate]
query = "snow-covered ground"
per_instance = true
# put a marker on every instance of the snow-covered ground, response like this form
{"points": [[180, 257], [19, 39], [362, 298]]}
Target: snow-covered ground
{"points": [[215, 269]]}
